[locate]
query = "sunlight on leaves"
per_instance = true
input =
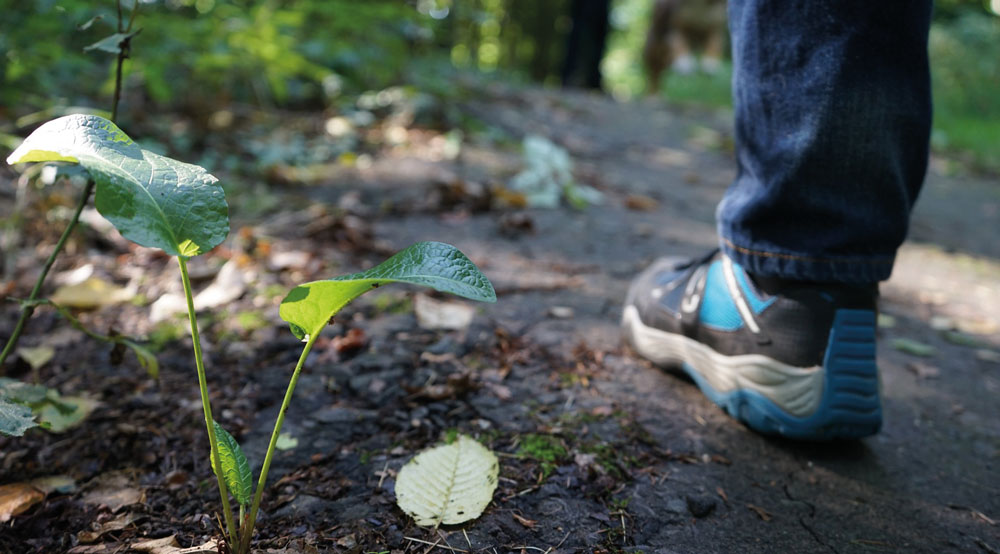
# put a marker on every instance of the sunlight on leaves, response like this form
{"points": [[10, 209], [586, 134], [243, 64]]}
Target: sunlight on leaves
{"points": [[309, 307], [152, 200]]}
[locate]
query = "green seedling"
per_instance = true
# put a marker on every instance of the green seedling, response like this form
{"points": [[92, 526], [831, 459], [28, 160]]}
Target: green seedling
{"points": [[309, 308], [179, 208], [153, 201]]}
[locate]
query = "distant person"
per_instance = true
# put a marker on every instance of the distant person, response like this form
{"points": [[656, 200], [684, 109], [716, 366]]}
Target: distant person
{"points": [[678, 30], [585, 44], [833, 111]]}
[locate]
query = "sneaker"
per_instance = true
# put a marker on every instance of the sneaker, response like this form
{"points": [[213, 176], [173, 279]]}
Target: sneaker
{"points": [[786, 358]]}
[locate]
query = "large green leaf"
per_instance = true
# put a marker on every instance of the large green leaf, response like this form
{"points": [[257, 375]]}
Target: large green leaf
{"points": [[151, 199], [15, 418], [235, 468], [309, 307]]}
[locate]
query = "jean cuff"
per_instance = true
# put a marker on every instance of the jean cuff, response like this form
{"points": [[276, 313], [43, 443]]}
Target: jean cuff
{"points": [[832, 269]]}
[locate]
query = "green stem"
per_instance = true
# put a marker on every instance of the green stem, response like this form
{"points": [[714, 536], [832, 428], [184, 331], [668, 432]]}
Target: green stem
{"points": [[248, 532], [206, 405], [28, 309]]}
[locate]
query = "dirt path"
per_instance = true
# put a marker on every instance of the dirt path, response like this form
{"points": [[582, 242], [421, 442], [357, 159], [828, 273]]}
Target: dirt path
{"points": [[599, 451], [915, 487]]}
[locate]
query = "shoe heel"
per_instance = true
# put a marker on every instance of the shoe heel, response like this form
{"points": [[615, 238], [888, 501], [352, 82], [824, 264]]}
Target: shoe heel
{"points": [[850, 407]]}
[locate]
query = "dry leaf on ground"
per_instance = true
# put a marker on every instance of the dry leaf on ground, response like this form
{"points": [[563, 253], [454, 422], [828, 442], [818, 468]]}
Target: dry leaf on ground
{"points": [[448, 484], [92, 293], [113, 490], [761, 512], [17, 498], [168, 545], [439, 314], [36, 356]]}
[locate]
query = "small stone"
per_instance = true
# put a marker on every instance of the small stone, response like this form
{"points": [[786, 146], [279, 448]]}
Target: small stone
{"points": [[561, 312], [700, 505]]}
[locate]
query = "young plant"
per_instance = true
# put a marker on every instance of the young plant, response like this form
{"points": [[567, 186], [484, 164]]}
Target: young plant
{"points": [[180, 208], [153, 201], [309, 307]]}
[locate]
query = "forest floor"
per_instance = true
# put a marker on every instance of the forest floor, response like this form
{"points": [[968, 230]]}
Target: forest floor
{"points": [[599, 451]]}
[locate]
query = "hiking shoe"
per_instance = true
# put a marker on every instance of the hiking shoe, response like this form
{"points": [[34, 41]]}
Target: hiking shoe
{"points": [[785, 358]]}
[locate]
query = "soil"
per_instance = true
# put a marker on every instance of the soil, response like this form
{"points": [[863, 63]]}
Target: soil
{"points": [[636, 459]]}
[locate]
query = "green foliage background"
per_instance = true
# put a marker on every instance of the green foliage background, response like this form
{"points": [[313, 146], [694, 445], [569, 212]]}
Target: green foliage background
{"points": [[202, 55]]}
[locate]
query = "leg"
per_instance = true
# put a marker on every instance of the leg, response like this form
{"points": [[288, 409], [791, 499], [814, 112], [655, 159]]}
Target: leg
{"points": [[832, 120], [656, 56], [833, 114]]}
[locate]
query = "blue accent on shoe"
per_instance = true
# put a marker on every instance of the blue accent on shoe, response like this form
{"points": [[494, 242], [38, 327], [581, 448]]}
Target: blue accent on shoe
{"points": [[718, 310], [850, 407], [756, 304]]}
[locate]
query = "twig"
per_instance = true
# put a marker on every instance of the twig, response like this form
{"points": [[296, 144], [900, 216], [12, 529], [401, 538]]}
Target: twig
{"points": [[435, 544], [385, 471], [27, 310], [556, 547]]}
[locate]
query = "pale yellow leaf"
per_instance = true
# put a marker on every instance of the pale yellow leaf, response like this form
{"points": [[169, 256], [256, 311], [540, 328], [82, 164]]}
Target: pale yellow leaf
{"points": [[36, 356], [448, 484], [92, 293]]}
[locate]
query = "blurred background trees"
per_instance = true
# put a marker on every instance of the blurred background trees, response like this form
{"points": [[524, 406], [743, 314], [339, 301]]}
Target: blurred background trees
{"points": [[197, 56]]}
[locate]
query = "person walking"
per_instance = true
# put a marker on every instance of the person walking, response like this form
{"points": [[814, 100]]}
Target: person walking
{"points": [[832, 125]]}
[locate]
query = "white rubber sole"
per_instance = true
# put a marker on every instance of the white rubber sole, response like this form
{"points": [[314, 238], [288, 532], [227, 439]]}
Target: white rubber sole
{"points": [[798, 391]]}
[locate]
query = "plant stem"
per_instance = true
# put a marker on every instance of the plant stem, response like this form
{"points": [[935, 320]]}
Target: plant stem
{"points": [[206, 405], [28, 309], [248, 532]]}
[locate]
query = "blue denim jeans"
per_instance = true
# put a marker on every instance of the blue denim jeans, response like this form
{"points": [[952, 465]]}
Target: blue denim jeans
{"points": [[833, 111]]}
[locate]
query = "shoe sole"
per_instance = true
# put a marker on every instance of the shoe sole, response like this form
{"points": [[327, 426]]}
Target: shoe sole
{"points": [[838, 400]]}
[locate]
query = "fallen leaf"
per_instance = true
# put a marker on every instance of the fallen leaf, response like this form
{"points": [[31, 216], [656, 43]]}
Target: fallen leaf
{"points": [[961, 339], [113, 490], [36, 356], [924, 371], [286, 442], [353, 341], [97, 531], [67, 413], [941, 323], [92, 293], [561, 312], [761, 512], [988, 355], [529, 523], [722, 494], [442, 314], [913, 347], [157, 546], [167, 305], [55, 483], [641, 203], [228, 285], [886, 321], [168, 545], [448, 484], [17, 498], [602, 411], [288, 259]]}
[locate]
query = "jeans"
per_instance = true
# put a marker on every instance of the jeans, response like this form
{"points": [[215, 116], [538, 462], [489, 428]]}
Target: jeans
{"points": [[833, 111]]}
